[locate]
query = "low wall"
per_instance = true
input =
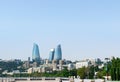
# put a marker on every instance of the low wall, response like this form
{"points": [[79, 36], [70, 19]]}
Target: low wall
{"points": [[50, 79], [89, 80], [30, 81], [43, 79], [112, 81]]}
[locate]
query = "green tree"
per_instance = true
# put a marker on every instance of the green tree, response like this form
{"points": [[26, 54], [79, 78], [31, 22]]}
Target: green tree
{"points": [[115, 69], [82, 72], [65, 72], [91, 70], [73, 72], [101, 73]]}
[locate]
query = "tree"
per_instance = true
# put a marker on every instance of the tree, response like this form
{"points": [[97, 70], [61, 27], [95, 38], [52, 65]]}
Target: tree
{"points": [[73, 72], [91, 70], [101, 73], [65, 72], [115, 69], [82, 72]]}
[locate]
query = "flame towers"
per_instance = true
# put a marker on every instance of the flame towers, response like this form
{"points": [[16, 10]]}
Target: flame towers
{"points": [[35, 53], [58, 53], [51, 54], [55, 54]]}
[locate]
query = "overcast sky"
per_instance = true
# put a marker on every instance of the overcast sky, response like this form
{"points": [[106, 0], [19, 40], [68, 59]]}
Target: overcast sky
{"points": [[84, 28]]}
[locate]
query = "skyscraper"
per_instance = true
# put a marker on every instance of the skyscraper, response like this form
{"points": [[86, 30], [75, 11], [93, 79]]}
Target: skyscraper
{"points": [[58, 53], [35, 53], [51, 54]]}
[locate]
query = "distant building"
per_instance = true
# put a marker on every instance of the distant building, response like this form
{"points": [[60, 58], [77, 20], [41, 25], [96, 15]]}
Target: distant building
{"points": [[11, 73], [28, 59], [81, 64], [71, 66], [51, 54], [35, 64], [36, 54], [98, 62], [58, 53], [41, 69], [54, 64], [46, 61], [26, 64]]}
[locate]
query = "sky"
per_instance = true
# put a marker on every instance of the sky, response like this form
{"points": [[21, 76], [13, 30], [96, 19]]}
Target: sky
{"points": [[84, 28]]}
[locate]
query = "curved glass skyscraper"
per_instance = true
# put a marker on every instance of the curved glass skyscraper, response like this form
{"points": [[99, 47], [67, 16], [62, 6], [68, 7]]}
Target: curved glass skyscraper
{"points": [[51, 54], [58, 53], [35, 53]]}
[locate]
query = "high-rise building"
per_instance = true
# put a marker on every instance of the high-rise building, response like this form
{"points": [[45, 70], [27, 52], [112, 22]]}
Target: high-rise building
{"points": [[58, 53], [28, 59], [51, 54], [35, 53]]}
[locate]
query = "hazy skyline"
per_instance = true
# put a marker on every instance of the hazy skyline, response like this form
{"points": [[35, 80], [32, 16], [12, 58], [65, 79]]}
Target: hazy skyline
{"points": [[84, 28]]}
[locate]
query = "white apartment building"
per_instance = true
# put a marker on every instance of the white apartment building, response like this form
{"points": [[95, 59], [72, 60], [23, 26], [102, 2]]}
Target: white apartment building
{"points": [[81, 64]]}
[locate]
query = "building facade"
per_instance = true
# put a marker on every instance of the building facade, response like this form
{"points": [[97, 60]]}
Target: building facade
{"points": [[35, 53], [51, 54], [81, 64], [58, 53]]}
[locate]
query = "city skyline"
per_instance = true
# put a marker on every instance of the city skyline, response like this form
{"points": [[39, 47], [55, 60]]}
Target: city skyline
{"points": [[85, 29]]}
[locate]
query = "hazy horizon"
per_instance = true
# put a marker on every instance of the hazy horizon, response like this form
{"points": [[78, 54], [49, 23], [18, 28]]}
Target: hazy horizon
{"points": [[85, 29]]}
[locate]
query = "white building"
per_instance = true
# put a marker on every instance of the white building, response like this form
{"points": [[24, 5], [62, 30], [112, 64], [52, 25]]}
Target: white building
{"points": [[71, 66], [81, 64], [11, 73], [41, 69]]}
